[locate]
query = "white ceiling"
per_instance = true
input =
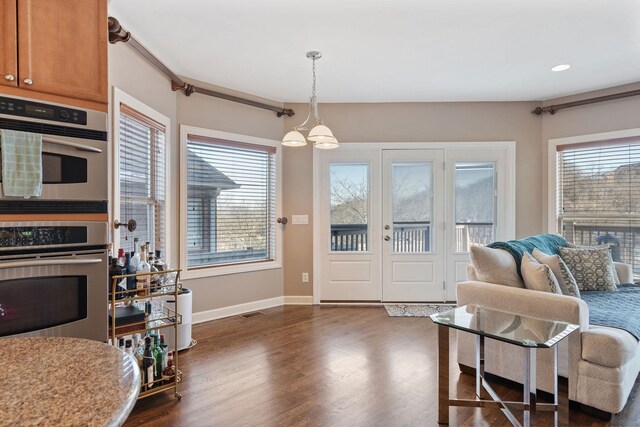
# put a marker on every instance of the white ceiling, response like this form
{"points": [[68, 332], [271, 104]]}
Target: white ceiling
{"points": [[393, 50]]}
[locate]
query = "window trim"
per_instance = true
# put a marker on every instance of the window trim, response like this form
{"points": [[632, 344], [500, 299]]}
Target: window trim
{"points": [[121, 97], [212, 271], [552, 161]]}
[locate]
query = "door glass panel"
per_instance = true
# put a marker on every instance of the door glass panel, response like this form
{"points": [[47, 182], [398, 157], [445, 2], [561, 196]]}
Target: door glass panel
{"points": [[349, 199], [475, 204], [412, 207]]}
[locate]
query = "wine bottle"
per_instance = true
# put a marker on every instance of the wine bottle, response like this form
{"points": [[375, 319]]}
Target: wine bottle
{"points": [[157, 355], [165, 351], [148, 365]]}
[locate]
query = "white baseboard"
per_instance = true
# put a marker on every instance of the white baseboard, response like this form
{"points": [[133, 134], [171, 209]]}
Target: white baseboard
{"points": [[234, 310], [298, 300]]}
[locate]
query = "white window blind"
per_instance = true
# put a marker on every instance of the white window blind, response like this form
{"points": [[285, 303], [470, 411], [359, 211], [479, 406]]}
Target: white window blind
{"points": [[598, 196], [231, 202], [142, 179]]}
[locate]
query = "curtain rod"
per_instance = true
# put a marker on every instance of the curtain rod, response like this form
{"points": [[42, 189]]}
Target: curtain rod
{"points": [[551, 109], [119, 34]]}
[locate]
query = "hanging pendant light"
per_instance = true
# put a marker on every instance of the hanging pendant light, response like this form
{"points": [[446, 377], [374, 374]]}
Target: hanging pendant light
{"points": [[320, 135]]}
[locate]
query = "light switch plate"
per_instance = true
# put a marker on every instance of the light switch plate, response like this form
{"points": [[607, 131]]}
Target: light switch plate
{"points": [[300, 219]]}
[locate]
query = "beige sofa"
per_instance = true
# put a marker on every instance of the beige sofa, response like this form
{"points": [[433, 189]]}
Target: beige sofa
{"points": [[603, 362]]}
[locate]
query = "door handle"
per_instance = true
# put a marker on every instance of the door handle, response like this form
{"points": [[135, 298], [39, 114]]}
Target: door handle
{"points": [[131, 224], [75, 145], [387, 238], [386, 227], [282, 220], [46, 262]]}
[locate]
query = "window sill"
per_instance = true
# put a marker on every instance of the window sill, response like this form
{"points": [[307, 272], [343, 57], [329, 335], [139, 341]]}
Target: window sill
{"points": [[197, 273]]}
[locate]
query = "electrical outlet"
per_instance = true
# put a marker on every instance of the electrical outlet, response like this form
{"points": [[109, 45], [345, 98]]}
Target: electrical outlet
{"points": [[305, 277]]}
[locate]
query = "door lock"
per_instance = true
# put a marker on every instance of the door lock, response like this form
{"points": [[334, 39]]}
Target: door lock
{"points": [[131, 224], [386, 227]]}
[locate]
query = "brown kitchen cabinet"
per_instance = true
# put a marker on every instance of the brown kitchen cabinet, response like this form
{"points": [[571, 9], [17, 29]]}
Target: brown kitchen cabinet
{"points": [[60, 46]]}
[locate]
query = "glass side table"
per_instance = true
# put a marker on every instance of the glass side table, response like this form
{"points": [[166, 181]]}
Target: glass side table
{"points": [[521, 331]]}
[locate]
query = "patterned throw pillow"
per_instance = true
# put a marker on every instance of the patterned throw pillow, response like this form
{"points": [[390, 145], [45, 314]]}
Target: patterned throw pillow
{"points": [[537, 276], [564, 277], [591, 266]]}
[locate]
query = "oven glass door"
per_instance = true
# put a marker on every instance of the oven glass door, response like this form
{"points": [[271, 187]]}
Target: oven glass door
{"points": [[36, 303], [54, 295]]}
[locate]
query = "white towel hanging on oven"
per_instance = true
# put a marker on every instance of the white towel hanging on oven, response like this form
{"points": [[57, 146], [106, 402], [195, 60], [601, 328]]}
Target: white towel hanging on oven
{"points": [[21, 163]]}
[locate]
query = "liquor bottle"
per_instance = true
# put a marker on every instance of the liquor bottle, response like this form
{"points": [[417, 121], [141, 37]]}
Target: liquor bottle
{"points": [[131, 281], [165, 351], [121, 343], [121, 285], [139, 350], [169, 372], [121, 258], [142, 281], [154, 282], [135, 257], [148, 365], [157, 355], [128, 347]]}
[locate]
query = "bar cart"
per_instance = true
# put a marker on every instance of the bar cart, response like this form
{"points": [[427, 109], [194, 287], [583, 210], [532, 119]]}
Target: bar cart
{"points": [[154, 308]]}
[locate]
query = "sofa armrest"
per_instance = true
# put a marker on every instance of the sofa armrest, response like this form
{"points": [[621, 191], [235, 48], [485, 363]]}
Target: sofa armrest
{"points": [[625, 272], [542, 305]]}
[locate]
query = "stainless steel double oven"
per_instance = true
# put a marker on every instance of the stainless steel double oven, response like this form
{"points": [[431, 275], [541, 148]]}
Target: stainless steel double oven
{"points": [[53, 257]]}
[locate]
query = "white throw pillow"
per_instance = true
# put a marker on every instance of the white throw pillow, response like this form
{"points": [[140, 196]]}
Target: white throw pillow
{"points": [[564, 277], [495, 266], [537, 276]]}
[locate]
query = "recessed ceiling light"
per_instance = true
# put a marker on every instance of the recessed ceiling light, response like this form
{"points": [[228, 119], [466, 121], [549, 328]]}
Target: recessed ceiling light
{"points": [[561, 67]]}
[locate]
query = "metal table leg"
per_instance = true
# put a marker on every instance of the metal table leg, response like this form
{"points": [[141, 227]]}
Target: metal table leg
{"points": [[443, 374], [561, 387], [480, 391], [529, 389]]}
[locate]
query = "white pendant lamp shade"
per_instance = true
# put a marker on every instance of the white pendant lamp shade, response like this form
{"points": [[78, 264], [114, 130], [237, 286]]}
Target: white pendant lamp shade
{"points": [[320, 134], [294, 139]]}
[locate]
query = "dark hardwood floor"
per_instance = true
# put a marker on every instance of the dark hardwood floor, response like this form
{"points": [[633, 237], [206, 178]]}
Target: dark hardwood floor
{"points": [[324, 366]]}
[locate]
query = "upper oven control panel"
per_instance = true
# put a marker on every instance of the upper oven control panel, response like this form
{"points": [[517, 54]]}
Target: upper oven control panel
{"points": [[39, 110], [11, 237]]}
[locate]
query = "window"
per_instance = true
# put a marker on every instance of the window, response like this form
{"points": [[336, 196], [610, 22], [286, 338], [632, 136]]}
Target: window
{"points": [[475, 204], [141, 172], [598, 201], [231, 200], [349, 216]]}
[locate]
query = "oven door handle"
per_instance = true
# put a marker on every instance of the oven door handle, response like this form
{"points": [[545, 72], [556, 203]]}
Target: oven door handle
{"points": [[47, 262], [75, 145]]}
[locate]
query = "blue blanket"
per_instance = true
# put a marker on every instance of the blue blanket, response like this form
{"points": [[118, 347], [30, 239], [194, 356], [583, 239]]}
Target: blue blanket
{"points": [[547, 243], [615, 309]]}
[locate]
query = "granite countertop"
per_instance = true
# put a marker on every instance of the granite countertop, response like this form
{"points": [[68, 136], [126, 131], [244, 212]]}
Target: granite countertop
{"points": [[65, 382]]}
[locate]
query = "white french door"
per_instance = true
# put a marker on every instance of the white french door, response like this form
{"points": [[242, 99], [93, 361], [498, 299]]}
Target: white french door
{"points": [[396, 225], [413, 225]]}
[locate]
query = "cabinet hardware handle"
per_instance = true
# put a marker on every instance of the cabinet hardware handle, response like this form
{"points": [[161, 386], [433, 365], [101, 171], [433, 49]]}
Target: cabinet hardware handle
{"points": [[9, 77], [131, 224], [28, 81]]}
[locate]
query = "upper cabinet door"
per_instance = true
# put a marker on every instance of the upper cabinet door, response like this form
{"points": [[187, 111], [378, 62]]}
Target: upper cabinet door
{"points": [[8, 43], [63, 47]]}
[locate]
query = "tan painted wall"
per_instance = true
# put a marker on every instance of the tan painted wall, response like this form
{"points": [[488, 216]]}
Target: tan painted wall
{"points": [[134, 76], [588, 119], [410, 122]]}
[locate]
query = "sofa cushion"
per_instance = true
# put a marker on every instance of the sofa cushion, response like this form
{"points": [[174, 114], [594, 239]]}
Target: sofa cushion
{"points": [[495, 266], [610, 347], [537, 276], [561, 272], [592, 267]]}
